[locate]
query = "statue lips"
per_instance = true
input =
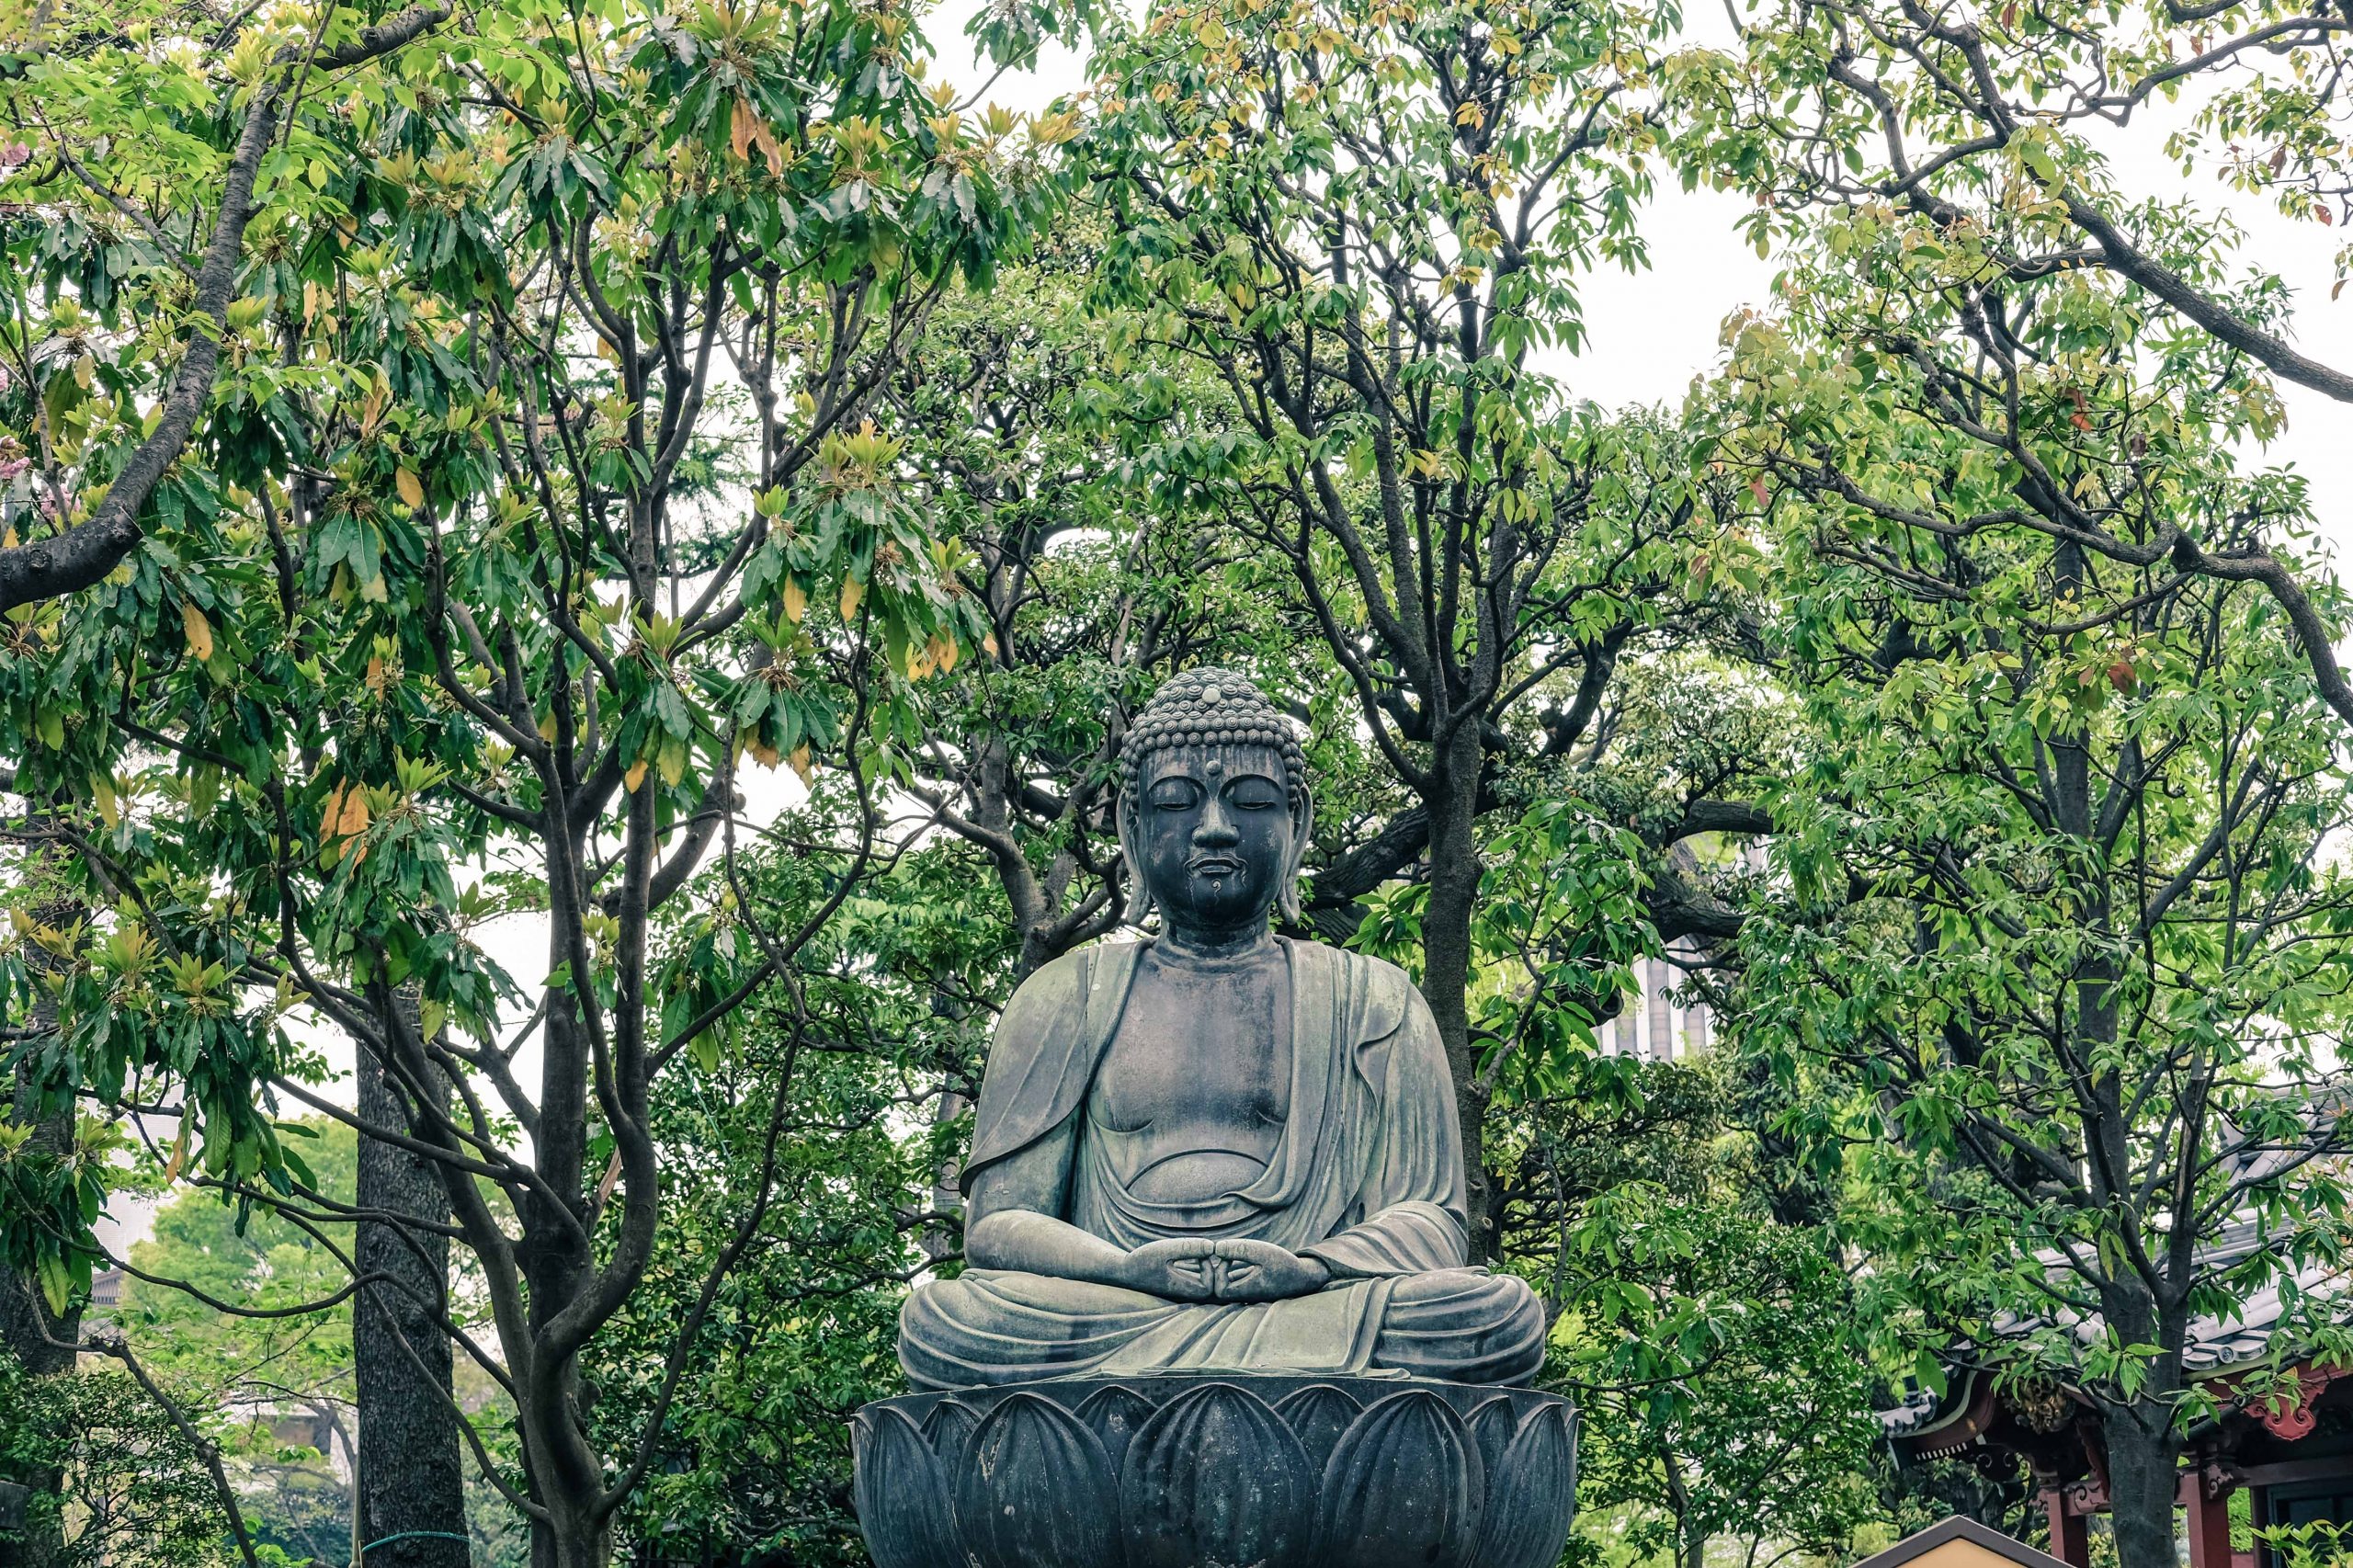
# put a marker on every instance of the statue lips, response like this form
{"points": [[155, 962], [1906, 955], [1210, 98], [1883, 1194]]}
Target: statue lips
{"points": [[1218, 866]]}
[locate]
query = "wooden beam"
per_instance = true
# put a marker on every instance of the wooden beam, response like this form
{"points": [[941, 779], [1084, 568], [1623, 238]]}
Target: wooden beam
{"points": [[2209, 1499], [2070, 1537], [2290, 1473]]}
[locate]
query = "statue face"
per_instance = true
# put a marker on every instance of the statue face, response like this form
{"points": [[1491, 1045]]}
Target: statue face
{"points": [[1215, 833]]}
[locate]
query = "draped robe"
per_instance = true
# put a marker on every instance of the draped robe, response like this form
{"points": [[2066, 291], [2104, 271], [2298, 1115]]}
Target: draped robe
{"points": [[1366, 1175]]}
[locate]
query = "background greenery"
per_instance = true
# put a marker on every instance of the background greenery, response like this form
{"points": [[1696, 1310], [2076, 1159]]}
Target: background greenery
{"points": [[591, 561]]}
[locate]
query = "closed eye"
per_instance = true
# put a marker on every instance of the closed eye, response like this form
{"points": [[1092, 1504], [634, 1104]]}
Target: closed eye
{"points": [[1175, 795], [1253, 794]]}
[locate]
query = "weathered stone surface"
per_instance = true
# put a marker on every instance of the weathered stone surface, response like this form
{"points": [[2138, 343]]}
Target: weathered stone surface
{"points": [[1214, 1471]]}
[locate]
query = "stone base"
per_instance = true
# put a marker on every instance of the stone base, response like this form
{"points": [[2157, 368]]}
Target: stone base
{"points": [[1218, 1470]]}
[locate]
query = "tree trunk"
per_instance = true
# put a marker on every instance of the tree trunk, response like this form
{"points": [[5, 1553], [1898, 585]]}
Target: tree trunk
{"points": [[552, 1413], [409, 1492], [26, 1328], [1690, 1541], [2144, 1462], [38, 1341], [29, 1333], [1453, 801]]}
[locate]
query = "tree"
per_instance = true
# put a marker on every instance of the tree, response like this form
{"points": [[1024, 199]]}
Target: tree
{"points": [[140, 1497], [1716, 1365], [2061, 937], [418, 604], [1093, 588], [757, 1462], [1973, 141], [1362, 219], [121, 219], [265, 1392], [36, 1337]]}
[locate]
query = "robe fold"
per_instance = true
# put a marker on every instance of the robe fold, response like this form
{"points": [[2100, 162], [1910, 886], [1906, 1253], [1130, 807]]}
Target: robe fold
{"points": [[1366, 1175]]}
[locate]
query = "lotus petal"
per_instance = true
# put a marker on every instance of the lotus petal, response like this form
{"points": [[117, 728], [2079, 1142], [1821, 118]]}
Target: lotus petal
{"points": [[1403, 1487], [1115, 1414], [1035, 1491], [1533, 1493], [1316, 1416], [949, 1427], [901, 1493], [1216, 1480], [1492, 1425]]}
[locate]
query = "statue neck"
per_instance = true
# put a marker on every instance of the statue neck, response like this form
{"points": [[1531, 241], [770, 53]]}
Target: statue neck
{"points": [[1241, 942]]}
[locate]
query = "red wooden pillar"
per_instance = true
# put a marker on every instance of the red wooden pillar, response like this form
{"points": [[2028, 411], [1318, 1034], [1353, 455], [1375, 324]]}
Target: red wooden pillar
{"points": [[2070, 1541], [2209, 1520]]}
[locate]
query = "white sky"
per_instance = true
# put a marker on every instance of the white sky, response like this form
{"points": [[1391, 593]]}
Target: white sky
{"points": [[1648, 335]]}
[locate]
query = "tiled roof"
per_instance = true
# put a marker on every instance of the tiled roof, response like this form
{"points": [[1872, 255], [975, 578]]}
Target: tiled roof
{"points": [[2215, 1344]]}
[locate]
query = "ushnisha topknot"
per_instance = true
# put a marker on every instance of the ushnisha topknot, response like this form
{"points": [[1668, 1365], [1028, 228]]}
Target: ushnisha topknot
{"points": [[1207, 708]]}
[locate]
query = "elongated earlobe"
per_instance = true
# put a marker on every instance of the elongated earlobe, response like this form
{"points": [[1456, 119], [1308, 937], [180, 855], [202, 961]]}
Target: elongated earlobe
{"points": [[1139, 904], [1302, 824]]}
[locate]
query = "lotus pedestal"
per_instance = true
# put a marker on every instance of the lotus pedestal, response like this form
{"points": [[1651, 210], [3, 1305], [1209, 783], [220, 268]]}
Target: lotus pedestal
{"points": [[1218, 1470]]}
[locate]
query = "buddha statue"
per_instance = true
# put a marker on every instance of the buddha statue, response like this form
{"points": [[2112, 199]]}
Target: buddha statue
{"points": [[1216, 1149]]}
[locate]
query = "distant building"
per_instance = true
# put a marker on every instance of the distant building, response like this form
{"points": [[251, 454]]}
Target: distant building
{"points": [[1654, 1025], [106, 1289]]}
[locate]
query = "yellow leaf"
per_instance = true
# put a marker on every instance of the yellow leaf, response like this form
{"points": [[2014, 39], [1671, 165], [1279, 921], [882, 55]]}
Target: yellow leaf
{"points": [[944, 651], [768, 755], [796, 600], [770, 149], [199, 630], [110, 808], [635, 776], [852, 592], [412, 490], [800, 761], [740, 128], [179, 1154], [344, 816], [353, 820]]}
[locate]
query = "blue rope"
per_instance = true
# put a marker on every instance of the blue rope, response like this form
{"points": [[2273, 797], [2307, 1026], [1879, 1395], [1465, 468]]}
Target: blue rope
{"points": [[412, 1535]]}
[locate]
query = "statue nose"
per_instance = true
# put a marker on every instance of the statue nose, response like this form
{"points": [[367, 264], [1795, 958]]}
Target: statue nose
{"points": [[1215, 829]]}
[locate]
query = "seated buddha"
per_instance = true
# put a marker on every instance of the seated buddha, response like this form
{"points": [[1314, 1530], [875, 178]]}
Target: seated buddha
{"points": [[1216, 1148]]}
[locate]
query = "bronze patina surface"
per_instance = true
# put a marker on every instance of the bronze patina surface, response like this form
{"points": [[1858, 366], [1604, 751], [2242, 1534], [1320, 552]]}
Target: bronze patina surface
{"points": [[1217, 1148]]}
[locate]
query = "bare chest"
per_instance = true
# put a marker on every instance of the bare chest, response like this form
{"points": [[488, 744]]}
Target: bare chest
{"points": [[1198, 1076]]}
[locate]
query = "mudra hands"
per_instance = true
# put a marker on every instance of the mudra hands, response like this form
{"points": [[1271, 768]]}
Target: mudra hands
{"points": [[1205, 1270]]}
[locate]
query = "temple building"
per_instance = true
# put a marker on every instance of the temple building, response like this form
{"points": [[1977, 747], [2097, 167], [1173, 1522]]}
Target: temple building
{"points": [[2292, 1457]]}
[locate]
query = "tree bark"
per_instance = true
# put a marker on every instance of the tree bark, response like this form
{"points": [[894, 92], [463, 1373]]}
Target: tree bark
{"points": [[564, 1476], [29, 1333], [1452, 799], [39, 1342], [2142, 1464], [409, 1490]]}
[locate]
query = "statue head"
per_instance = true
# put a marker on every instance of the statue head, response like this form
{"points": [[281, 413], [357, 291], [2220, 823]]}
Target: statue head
{"points": [[1213, 805]]}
